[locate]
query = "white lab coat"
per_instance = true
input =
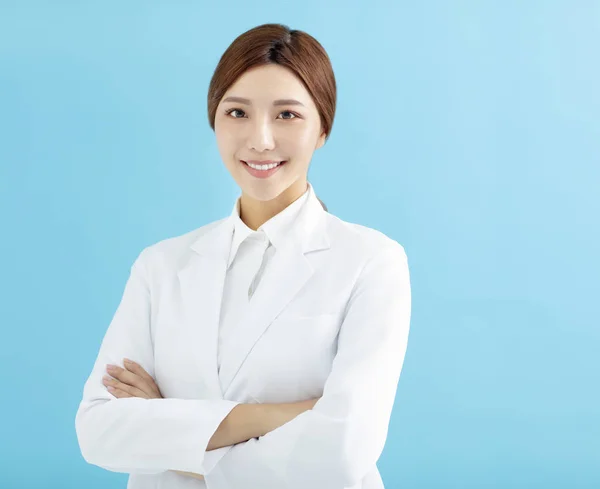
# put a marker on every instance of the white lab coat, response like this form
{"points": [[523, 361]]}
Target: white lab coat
{"points": [[330, 318]]}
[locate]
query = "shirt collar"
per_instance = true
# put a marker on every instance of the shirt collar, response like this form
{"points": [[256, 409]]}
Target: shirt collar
{"points": [[274, 230]]}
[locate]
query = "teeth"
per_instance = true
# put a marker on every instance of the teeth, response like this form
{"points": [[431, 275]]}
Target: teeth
{"points": [[263, 167]]}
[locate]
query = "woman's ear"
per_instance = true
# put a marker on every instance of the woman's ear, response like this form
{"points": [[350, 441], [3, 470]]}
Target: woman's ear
{"points": [[321, 140]]}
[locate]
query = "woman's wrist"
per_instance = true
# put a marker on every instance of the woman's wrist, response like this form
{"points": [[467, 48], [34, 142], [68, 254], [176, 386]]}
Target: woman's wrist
{"points": [[246, 421], [276, 415]]}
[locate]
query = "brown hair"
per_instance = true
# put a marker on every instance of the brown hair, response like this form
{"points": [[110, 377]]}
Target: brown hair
{"points": [[278, 44]]}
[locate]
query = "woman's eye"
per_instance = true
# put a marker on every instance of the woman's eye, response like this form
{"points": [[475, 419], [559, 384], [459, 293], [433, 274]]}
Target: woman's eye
{"points": [[233, 111], [288, 112]]}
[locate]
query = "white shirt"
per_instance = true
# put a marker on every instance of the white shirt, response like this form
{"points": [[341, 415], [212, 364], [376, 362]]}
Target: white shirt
{"points": [[249, 257]]}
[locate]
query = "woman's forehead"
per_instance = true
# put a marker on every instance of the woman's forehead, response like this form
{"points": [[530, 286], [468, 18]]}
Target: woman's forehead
{"points": [[267, 84]]}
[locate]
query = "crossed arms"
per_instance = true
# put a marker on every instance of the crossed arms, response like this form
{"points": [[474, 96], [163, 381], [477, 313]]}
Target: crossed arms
{"points": [[333, 445]]}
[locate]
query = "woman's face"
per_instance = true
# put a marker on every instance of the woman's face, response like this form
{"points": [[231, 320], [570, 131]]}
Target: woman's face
{"points": [[268, 115]]}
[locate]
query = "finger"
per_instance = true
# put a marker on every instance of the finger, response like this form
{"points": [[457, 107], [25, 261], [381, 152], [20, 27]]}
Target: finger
{"points": [[129, 378], [133, 391], [123, 375], [118, 393], [148, 380], [137, 369]]}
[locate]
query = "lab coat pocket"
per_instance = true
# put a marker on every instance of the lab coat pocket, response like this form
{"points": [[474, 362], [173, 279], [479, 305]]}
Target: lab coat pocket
{"points": [[293, 359], [313, 332]]}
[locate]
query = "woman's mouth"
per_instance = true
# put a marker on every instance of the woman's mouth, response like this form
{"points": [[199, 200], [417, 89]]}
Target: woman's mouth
{"points": [[263, 170]]}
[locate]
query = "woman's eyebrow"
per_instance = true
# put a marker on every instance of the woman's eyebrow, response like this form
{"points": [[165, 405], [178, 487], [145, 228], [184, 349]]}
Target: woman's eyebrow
{"points": [[285, 101]]}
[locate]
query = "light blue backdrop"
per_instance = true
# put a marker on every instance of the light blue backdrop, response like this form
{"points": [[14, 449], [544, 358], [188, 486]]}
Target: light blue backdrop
{"points": [[467, 131]]}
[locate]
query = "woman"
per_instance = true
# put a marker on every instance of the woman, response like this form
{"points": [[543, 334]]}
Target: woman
{"points": [[262, 350]]}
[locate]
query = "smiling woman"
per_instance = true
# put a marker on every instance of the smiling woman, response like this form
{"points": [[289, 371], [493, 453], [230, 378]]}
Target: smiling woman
{"points": [[266, 347], [271, 103]]}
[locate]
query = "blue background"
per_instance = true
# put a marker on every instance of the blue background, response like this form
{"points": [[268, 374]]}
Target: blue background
{"points": [[467, 131]]}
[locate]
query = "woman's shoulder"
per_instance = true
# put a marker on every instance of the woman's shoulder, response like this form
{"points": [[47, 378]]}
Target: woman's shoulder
{"points": [[171, 251], [363, 239]]}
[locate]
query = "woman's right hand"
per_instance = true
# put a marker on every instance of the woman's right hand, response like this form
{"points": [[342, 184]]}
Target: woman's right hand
{"points": [[309, 404], [280, 414], [263, 417]]}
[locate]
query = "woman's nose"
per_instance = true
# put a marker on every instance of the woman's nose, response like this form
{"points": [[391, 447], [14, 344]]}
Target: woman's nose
{"points": [[261, 137]]}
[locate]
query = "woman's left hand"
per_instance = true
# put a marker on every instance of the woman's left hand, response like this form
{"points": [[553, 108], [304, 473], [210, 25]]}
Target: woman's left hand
{"points": [[131, 381]]}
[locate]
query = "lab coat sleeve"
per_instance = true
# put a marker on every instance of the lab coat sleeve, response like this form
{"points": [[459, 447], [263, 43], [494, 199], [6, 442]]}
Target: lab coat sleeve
{"points": [[336, 444], [136, 435]]}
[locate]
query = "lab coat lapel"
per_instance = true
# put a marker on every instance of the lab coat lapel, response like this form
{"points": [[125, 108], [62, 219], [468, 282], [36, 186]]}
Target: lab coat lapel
{"points": [[287, 272], [201, 285]]}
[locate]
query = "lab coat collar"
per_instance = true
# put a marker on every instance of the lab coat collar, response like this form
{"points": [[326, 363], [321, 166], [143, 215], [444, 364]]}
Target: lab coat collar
{"points": [[275, 230], [203, 277]]}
